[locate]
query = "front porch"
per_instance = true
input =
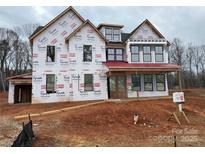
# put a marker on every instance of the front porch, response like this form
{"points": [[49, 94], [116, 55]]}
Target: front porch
{"points": [[139, 80]]}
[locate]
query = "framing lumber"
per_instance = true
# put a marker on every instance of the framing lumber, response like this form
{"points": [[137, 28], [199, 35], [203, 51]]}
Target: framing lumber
{"points": [[57, 111]]}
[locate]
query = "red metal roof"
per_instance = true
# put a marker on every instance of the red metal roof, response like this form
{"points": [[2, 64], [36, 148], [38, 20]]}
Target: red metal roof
{"points": [[140, 65]]}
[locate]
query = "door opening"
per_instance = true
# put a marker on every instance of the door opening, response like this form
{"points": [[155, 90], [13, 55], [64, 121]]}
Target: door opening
{"points": [[22, 94], [117, 87]]}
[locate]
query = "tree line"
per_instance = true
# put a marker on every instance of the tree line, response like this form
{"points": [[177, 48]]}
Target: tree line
{"points": [[16, 57], [192, 60], [15, 52]]}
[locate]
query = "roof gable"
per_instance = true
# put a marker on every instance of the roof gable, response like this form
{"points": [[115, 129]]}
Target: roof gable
{"points": [[54, 20], [145, 31], [87, 22]]}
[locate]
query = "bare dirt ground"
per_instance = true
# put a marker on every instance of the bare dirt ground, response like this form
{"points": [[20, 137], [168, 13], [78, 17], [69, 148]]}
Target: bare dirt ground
{"points": [[110, 124]]}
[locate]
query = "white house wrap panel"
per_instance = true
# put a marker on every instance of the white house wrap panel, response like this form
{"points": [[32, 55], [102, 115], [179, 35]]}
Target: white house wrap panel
{"points": [[88, 36], [144, 32], [54, 35]]}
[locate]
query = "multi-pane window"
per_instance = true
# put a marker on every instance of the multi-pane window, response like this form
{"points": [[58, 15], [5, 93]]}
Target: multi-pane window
{"points": [[136, 83], [50, 83], [148, 82], [112, 34], [50, 57], [116, 34], [114, 54], [146, 54], [135, 56], [159, 54], [108, 33], [88, 82], [119, 54], [87, 53], [110, 54], [160, 82]]}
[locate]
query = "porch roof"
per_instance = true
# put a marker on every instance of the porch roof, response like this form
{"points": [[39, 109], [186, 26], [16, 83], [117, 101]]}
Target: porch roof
{"points": [[21, 79], [21, 76], [141, 67]]}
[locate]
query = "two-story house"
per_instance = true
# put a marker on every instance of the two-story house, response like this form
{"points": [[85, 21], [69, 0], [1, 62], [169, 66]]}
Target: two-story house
{"points": [[75, 61], [137, 61]]}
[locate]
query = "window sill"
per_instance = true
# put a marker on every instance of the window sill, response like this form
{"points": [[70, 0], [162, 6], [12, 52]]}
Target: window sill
{"points": [[135, 90], [51, 92], [116, 61], [115, 41], [159, 62], [87, 61], [50, 63]]}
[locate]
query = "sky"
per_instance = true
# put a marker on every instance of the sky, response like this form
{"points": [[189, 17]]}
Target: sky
{"points": [[186, 23]]}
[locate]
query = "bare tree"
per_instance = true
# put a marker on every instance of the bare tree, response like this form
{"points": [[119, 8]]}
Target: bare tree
{"points": [[197, 58], [202, 59], [15, 51], [6, 41], [177, 52], [190, 57], [25, 32], [202, 66]]}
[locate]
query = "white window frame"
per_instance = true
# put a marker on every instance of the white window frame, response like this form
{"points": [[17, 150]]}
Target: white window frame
{"points": [[113, 34]]}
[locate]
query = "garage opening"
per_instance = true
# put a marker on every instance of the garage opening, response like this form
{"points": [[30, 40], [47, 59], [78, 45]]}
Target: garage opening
{"points": [[22, 94], [20, 88]]}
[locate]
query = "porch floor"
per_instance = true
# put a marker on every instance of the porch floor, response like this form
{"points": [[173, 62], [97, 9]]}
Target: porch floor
{"points": [[138, 99]]}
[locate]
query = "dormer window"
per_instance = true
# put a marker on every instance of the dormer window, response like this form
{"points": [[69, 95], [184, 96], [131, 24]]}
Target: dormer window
{"points": [[112, 34], [108, 33], [116, 34]]}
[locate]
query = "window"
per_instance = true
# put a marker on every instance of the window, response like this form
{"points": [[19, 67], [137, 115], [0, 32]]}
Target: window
{"points": [[115, 54], [136, 83], [110, 54], [146, 54], [88, 82], [159, 54], [87, 53], [160, 82], [112, 34], [108, 33], [116, 34], [119, 54], [148, 82], [50, 83], [135, 57], [50, 57]]}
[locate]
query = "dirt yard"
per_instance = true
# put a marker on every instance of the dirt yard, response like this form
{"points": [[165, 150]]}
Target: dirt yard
{"points": [[110, 124]]}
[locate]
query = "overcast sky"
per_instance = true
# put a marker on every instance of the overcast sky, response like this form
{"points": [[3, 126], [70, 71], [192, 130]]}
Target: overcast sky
{"points": [[186, 23]]}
